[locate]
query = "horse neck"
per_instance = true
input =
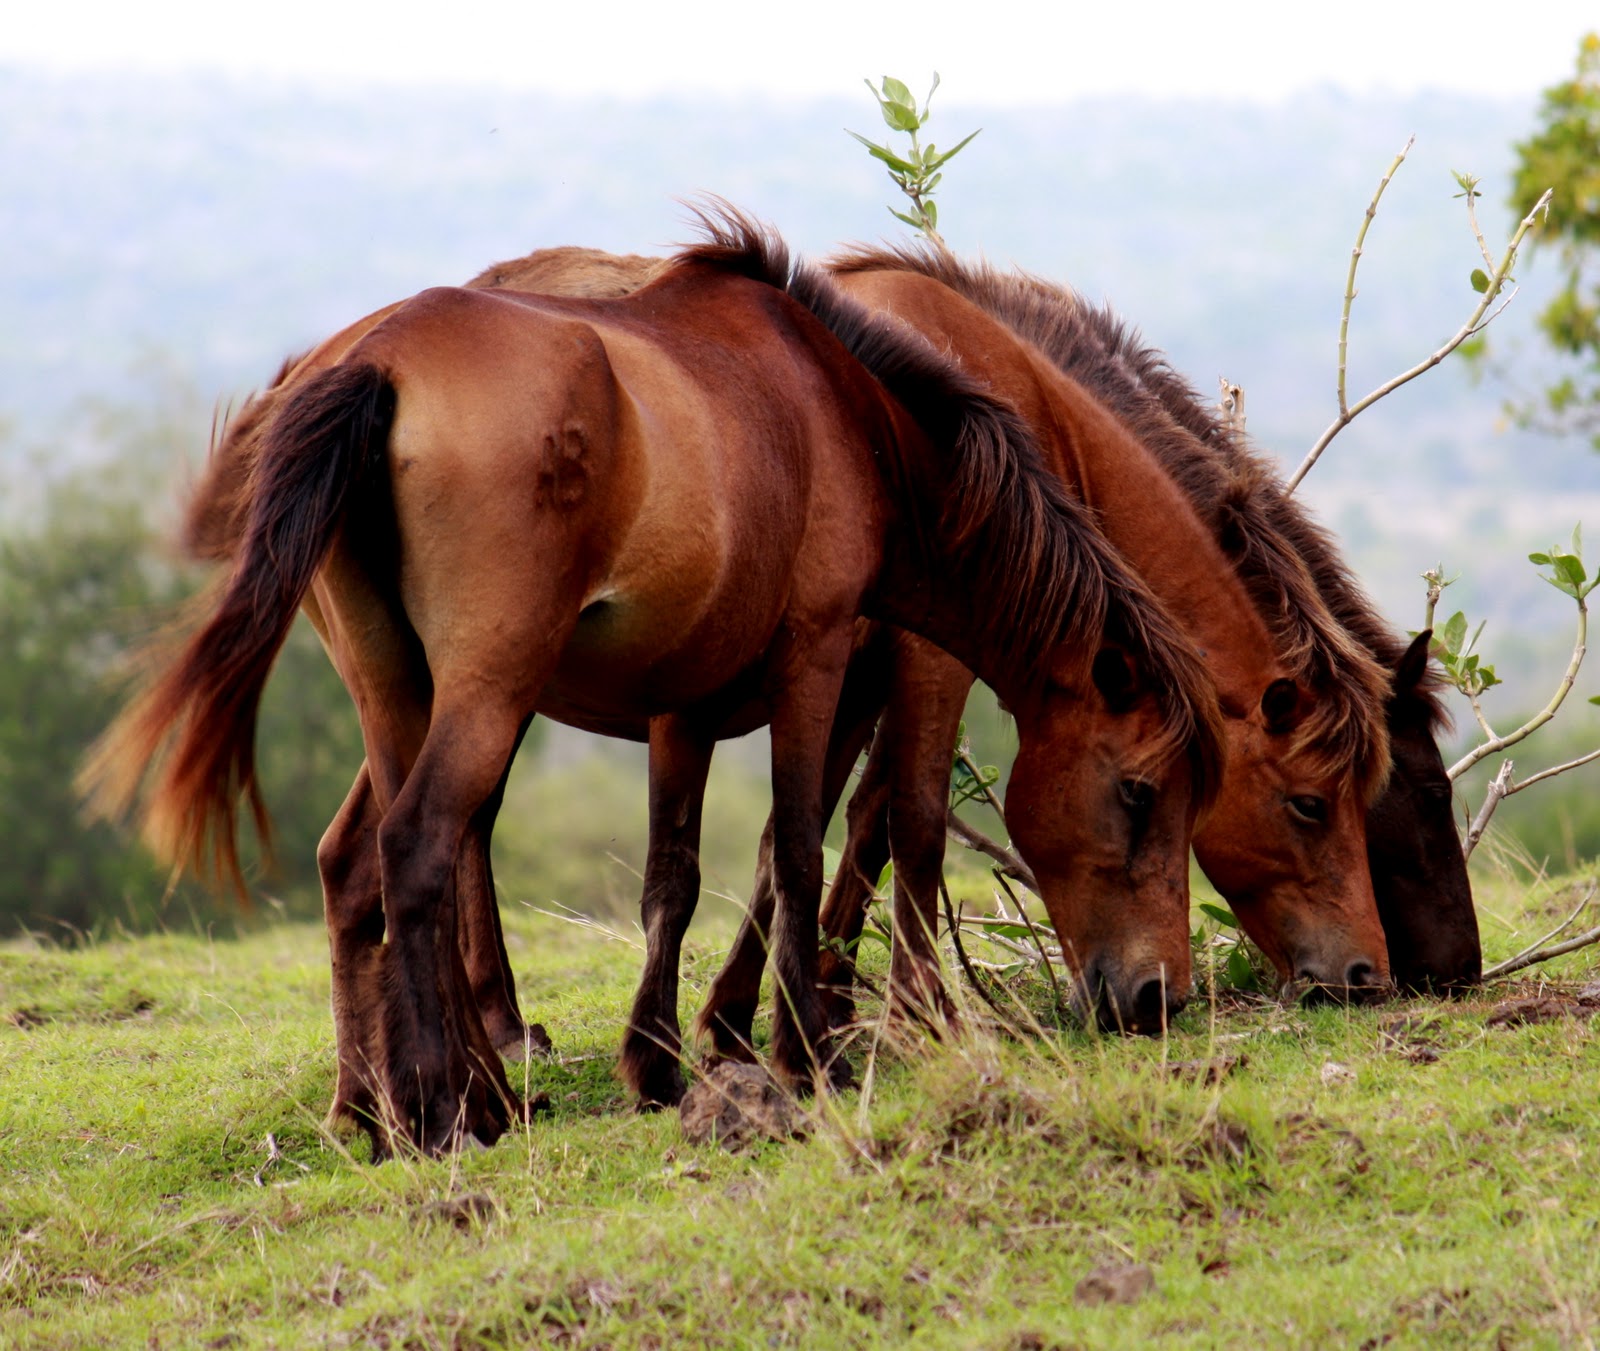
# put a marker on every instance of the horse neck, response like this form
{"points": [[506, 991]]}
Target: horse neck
{"points": [[1155, 527], [1141, 511]]}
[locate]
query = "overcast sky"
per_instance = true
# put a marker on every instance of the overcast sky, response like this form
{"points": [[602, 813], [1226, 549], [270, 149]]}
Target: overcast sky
{"points": [[988, 51]]}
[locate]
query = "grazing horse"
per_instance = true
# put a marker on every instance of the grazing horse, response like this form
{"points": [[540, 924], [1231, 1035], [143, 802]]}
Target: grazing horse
{"points": [[666, 509], [1419, 876]]}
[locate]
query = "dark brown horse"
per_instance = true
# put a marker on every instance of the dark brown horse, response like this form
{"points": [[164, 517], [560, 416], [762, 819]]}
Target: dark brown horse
{"points": [[669, 507]]}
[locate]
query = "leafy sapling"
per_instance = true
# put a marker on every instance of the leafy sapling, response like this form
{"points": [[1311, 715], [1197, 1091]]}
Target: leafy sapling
{"points": [[1563, 569], [918, 171]]}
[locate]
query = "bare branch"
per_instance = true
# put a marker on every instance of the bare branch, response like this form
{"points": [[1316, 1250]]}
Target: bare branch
{"points": [[1231, 402], [1497, 744], [1551, 773], [1350, 277], [1499, 788], [1537, 952], [1033, 933], [953, 923], [975, 839], [1496, 281]]}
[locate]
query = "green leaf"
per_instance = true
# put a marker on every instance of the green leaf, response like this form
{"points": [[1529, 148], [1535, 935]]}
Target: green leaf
{"points": [[883, 152], [900, 117], [1241, 973], [931, 211], [885, 878], [1223, 917], [1480, 280], [1453, 633], [1594, 698], [912, 221], [935, 162], [880, 939], [1571, 568], [1543, 560], [896, 92]]}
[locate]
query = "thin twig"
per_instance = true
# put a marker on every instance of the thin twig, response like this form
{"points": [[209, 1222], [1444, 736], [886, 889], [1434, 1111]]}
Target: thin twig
{"points": [[1500, 743], [1537, 952], [1497, 790], [1475, 322], [975, 839], [1551, 773], [1033, 933], [978, 983]]}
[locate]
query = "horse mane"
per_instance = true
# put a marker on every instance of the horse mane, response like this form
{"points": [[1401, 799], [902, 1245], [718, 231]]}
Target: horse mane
{"points": [[1341, 591], [993, 511], [1325, 630]]}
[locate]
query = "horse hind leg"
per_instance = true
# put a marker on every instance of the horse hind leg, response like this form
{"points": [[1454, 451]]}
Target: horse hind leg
{"points": [[443, 1080], [483, 945], [347, 859]]}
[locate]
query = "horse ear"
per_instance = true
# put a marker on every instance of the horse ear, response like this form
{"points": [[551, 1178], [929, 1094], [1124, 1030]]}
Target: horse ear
{"points": [[1413, 665], [1115, 678], [1280, 704]]}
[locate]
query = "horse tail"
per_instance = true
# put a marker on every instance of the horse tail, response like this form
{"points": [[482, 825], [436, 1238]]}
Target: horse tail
{"points": [[196, 718]]}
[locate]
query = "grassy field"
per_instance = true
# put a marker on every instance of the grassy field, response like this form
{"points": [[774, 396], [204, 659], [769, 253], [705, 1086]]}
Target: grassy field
{"points": [[1410, 1175]]}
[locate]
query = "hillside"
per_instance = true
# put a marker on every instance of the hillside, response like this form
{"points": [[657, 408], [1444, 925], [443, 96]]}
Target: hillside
{"points": [[1413, 1175]]}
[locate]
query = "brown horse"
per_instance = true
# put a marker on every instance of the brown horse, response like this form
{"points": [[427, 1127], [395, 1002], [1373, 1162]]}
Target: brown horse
{"points": [[669, 507], [1413, 849]]}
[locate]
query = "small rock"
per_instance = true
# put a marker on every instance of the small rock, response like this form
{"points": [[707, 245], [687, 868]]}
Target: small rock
{"points": [[1115, 1284], [736, 1105], [1335, 1073]]}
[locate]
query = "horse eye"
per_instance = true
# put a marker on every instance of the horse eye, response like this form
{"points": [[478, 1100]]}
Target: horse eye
{"points": [[1312, 810], [1137, 796]]}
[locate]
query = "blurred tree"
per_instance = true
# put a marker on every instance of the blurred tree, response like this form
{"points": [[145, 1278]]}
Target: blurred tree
{"points": [[74, 590], [1564, 154], [83, 582]]}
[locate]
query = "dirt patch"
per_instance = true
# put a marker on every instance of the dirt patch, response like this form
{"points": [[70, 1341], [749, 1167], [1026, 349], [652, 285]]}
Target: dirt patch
{"points": [[737, 1105], [1541, 1009], [1118, 1284]]}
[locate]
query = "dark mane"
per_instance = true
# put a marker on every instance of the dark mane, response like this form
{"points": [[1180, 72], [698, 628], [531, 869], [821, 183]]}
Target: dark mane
{"points": [[994, 513], [1327, 632], [1343, 593]]}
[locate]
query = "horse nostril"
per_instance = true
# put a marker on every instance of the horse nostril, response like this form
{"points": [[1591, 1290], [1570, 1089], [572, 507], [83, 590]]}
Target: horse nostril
{"points": [[1150, 1007], [1359, 973]]}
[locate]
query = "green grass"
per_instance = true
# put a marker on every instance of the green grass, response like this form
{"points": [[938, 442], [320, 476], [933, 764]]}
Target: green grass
{"points": [[164, 1181]]}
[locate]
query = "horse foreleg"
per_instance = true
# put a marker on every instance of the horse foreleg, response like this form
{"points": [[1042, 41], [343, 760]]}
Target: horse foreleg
{"points": [[801, 731], [921, 727], [680, 758], [728, 1017]]}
